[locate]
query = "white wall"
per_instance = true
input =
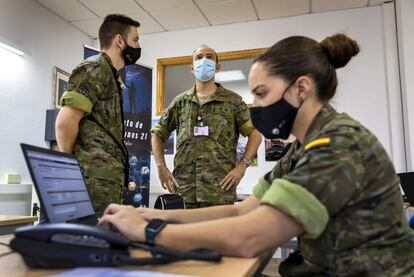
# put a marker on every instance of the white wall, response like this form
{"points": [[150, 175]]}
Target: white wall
{"points": [[362, 90], [26, 82], [405, 27]]}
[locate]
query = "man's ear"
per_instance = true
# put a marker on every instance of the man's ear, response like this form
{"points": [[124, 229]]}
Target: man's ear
{"points": [[118, 41], [191, 68], [218, 67]]}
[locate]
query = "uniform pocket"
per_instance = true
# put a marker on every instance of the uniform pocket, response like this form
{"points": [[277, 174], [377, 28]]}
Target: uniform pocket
{"points": [[221, 126]]}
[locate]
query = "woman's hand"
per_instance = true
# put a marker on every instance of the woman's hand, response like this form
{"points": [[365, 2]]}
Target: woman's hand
{"points": [[149, 213], [127, 219]]}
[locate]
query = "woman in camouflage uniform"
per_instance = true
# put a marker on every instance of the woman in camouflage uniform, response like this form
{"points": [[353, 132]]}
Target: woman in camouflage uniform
{"points": [[336, 188]]}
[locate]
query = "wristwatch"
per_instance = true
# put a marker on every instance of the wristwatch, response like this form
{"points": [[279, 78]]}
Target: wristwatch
{"points": [[153, 228], [246, 160]]}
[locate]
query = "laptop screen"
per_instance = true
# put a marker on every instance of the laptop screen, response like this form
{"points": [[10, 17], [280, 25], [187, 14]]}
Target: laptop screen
{"points": [[407, 184], [59, 184]]}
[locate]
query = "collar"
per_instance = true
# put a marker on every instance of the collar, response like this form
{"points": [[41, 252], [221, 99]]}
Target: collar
{"points": [[323, 116], [108, 59], [219, 94]]}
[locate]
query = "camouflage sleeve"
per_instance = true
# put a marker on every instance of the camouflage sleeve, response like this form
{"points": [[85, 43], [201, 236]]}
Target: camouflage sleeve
{"points": [[260, 189], [243, 121], [83, 88], [323, 181], [167, 123], [331, 172], [295, 201], [283, 165]]}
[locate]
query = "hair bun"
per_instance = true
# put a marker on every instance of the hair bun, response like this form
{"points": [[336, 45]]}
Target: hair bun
{"points": [[340, 49]]}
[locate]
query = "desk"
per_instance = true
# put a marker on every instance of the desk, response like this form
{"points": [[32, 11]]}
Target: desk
{"points": [[8, 223], [13, 265]]}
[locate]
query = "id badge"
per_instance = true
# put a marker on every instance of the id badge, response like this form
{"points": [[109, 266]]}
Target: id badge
{"points": [[200, 131]]}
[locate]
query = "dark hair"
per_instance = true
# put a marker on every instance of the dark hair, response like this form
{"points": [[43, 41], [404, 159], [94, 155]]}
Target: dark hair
{"points": [[206, 46], [298, 56], [112, 25]]}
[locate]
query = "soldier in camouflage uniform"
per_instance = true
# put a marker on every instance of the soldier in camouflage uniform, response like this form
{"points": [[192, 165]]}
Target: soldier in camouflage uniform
{"points": [[90, 123], [358, 227], [205, 169], [336, 188]]}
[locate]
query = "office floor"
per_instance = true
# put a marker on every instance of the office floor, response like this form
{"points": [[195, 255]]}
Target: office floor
{"points": [[272, 268]]}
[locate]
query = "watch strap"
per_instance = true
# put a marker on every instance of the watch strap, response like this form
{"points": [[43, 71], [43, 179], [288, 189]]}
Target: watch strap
{"points": [[152, 229], [246, 160]]}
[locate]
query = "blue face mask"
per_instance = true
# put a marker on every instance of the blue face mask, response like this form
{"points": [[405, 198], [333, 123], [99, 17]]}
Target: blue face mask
{"points": [[204, 69]]}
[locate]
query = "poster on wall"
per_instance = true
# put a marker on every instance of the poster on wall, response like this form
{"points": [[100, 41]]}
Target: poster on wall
{"points": [[89, 51], [169, 145], [136, 104]]}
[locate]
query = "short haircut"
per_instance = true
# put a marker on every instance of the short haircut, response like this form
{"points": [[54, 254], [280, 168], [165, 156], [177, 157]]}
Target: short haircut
{"points": [[112, 25], [206, 46]]}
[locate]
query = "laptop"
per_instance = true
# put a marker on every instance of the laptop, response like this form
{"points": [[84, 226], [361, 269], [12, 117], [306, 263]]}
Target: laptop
{"points": [[407, 185], [60, 186]]}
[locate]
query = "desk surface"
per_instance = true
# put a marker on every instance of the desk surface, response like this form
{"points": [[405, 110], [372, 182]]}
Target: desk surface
{"points": [[13, 265], [6, 220]]}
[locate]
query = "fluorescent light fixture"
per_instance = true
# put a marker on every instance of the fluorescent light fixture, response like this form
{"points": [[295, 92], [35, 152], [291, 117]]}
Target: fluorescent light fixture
{"points": [[229, 76], [11, 49]]}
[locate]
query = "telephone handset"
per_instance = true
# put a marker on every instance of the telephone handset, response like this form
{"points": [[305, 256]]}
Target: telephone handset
{"points": [[65, 245], [73, 234], [69, 245]]}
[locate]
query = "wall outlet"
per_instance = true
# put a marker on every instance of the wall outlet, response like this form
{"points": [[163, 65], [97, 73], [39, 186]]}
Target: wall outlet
{"points": [[12, 178]]}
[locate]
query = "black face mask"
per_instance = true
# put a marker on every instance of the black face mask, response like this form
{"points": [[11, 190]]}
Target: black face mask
{"points": [[276, 120], [130, 54]]}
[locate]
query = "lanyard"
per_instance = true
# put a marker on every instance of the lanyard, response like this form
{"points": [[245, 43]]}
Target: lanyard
{"points": [[200, 122]]}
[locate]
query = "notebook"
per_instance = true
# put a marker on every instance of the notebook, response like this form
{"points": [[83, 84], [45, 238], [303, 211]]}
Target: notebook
{"points": [[60, 186], [407, 185]]}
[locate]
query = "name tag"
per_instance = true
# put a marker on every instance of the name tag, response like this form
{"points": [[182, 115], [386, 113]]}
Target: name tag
{"points": [[200, 131]]}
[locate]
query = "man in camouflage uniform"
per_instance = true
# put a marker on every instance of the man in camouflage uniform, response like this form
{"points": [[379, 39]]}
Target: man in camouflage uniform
{"points": [[208, 119], [90, 123]]}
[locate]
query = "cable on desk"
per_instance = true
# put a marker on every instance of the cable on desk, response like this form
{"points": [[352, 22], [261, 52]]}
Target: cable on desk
{"points": [[7, 253]]}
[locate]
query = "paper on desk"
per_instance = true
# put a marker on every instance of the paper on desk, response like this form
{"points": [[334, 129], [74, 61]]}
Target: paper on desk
{"points": [[109, 272]]}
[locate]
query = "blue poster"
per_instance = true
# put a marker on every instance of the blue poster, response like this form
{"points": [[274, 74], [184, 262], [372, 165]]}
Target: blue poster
{"points": [[89, 51], [137, 101], [136, 104]]}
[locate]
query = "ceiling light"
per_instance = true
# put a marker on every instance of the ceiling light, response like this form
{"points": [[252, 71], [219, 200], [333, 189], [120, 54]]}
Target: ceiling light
{"points": [[11, 49], [229, 76]]}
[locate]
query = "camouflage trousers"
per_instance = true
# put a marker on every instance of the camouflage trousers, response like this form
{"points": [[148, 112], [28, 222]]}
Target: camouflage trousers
{"points": [[103, 192]]}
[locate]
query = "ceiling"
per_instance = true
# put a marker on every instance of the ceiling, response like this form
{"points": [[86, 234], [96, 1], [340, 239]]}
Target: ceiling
{"points": [[169, 15]]}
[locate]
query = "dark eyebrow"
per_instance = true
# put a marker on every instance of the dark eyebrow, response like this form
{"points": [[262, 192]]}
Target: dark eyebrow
{"points": [[257, 87]]}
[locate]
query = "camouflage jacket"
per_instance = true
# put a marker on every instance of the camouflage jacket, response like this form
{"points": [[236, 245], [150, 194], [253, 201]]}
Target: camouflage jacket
{"points": [[341, 186], [201, 162], [94, 88]]}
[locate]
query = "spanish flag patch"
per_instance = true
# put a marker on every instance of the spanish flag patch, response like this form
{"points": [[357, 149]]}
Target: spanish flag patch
{"points": [[317, 142]]}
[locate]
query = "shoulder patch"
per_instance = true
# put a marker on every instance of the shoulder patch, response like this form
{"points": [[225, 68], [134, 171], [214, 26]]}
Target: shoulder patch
{"points": [[317, 142]]}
